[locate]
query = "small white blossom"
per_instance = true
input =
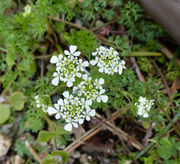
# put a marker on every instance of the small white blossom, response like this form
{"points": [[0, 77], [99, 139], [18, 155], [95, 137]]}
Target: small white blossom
{"points": [[39, 103], [92, 90], [108, 61], [72, 109], [68, 68], [144, 106], [27, 10], [72, 51]]}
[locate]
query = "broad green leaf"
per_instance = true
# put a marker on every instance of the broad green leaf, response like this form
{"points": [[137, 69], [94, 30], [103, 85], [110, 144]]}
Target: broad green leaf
{"points": [[177, 146], [49, 160], [4, 113], [10, 60], [64, 155], [17, 100], [170, 162], [165, 149], [61, 131], [27, 66], [45, 136]]}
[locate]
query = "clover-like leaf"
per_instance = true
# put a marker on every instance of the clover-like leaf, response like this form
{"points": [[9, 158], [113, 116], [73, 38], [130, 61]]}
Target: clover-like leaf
{"points": [[17, 100], [4, 113]]}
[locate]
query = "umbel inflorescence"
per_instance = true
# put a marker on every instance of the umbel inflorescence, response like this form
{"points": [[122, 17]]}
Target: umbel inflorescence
{"points": [[75, 106]]}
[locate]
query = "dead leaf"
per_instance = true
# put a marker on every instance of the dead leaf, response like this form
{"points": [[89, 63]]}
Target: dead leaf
{"points": [[98, 147], [5, 144], [78, 132]]}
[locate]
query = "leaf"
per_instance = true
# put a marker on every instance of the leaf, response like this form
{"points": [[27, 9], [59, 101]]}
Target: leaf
{"points": [[177, 146], [56, 156], [45, 136], [4, 113], [63, 154], [49, 160], [10, 58], [165, 149], [27, 66], [17, 100], [61, 131]]}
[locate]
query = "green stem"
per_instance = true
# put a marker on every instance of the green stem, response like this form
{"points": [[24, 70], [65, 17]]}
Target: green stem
{"points": [[3, 49], [125, 94]]}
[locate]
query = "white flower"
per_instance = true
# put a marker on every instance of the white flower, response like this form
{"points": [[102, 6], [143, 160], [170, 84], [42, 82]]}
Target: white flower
{"points": [[82, 64], [27, 10], [67, 96], [101, 97], [70, 124], [55, 110], [72, 51], [56, 79], [68, 127], [68, 68], [89, 113], [39, 103], [56, 60], [108, 61], [144, 106]]}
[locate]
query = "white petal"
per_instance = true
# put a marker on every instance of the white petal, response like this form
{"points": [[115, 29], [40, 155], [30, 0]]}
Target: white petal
{"points": [[66, 94], [85, 64], [77, 53], [140, 112], [75, 125], [98, 99], [68, 127], [57, 116], [81, 121], [101, 81], [72, 48], [104, 98], [69, 83], [85, 76], [60, 56], [51, 110], [145, 115], [93, 62], [87, 118], [120, 70], [54, 59], [92, 113], [102, 91], [66, 52], [55, 74], [100, 69], [55, 81], [94, 53], [89, 102], [60, 102], [36, 97], [56, 106], [78, 74]]}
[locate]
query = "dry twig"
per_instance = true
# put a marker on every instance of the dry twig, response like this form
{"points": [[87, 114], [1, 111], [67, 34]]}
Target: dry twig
{"points": [[138, 72], [36, 156]]}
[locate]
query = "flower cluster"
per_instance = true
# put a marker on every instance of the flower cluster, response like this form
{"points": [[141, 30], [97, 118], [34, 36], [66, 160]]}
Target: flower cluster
{"points": [[144, 106], [27, 10], [90, 89], [39, 104], [73, 109], [108, 61], [68, 68]]}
